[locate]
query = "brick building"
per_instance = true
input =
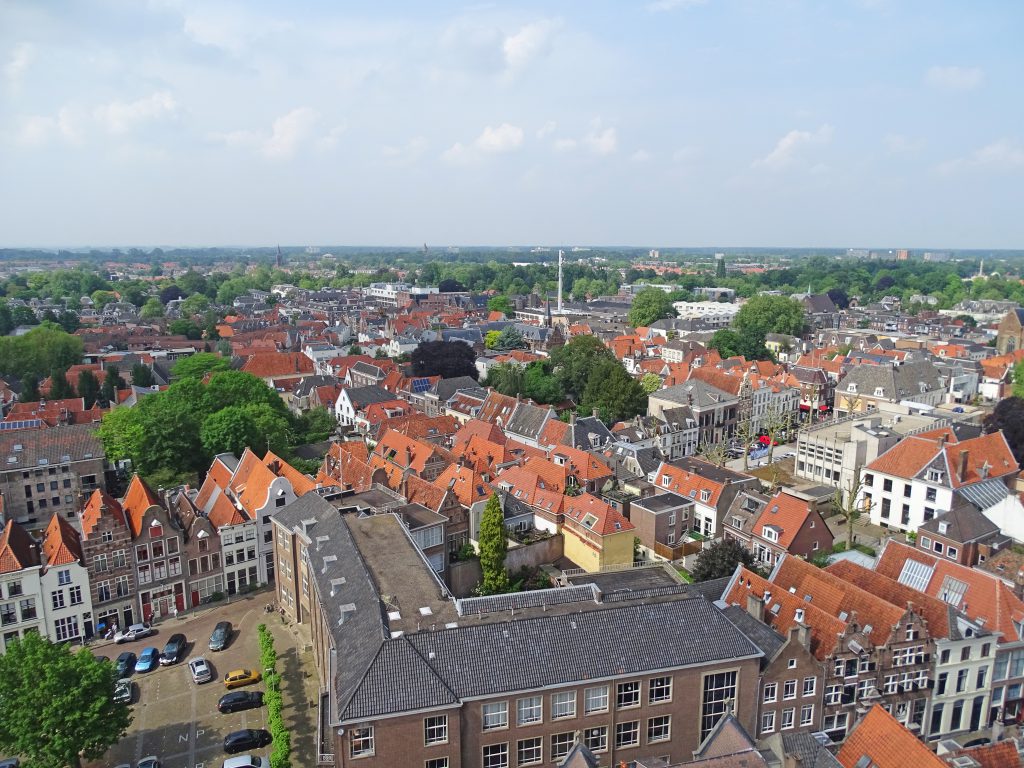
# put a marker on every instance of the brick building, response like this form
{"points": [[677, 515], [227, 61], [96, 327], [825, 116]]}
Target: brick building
{"points": [[107, 549]]}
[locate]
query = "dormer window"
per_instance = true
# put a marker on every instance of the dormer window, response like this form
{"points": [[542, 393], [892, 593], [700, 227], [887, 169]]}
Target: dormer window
{"points": [[935, 475], [852, 388], [770, 533], [705, 495], [879, 392], [943, 528]]}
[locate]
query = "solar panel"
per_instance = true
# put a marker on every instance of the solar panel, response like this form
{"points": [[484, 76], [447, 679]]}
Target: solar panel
{"points": [[420, 385], [916, 575]]}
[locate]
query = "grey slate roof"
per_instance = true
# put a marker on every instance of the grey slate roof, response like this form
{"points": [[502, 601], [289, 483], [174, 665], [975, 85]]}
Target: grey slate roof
{"points": [[811, 752], [985, 494], [902, 382], [23, 448], [712, 589], [361, 396], [759, 633], [476, 660], [695, 393], [580, 435], [527, 420], [445, 388], [965, 523]]}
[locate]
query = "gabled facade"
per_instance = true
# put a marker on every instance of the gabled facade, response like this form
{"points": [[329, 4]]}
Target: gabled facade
{"points": [[21, 592], [710, 488], [157, 544], [65, 583], [110, 560]]}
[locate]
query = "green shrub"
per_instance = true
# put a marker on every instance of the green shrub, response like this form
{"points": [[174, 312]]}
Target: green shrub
{"points": [[280, 752]]}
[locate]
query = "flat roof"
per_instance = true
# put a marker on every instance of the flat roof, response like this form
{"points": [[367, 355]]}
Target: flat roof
{"points": [[625, 581]]}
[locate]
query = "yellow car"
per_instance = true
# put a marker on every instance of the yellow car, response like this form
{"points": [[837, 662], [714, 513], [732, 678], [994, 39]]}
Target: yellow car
{"points": [[240, 677]]}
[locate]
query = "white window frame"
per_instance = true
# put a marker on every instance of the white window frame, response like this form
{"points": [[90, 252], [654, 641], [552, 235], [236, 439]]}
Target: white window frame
{"points": [[629, 689], [363, 737], [788, 718], [495, 755], [435, 732], [659, 689], [494, 716], [563, 705], [530, 710], [592, 698], [660, 725], [767, 722], [535, 745], [810, 686], [771, 693], [806, 715], [630, 729]]}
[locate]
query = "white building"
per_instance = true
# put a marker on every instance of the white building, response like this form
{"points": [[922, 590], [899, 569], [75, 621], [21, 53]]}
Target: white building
{"points": [[67, 599], [21, 596], [712, 313]]}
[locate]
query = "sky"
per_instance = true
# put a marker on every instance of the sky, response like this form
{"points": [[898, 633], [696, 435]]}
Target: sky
{"points": [[656, 123]]}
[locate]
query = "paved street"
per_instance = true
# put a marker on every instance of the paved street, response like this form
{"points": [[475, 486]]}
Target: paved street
{"points": [[178, 721]]}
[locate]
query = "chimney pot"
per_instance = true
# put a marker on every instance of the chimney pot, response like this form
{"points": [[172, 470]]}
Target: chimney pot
{"points": [[963, 465], [595, 412]]}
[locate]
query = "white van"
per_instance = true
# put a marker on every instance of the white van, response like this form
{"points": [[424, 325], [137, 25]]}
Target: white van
{"points": [[246, 761]]}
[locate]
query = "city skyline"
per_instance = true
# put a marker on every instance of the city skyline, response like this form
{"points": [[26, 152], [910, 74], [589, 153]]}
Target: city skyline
{"points": [[675, 121]]}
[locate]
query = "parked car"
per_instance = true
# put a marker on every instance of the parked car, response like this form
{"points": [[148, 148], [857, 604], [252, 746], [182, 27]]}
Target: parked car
{"points": [[126, 664], [980, 742], [10, 763], [200, 669], [239, 700], [221, 636], [149, 659], [148, 762], [239, 677], [134, 632], [124, 691], [249, 738], [174, 650], [247, 761]]}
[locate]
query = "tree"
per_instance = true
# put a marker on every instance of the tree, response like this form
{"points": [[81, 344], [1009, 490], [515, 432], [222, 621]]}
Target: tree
{"points": [[720, 559], [60, 387], [540, 385], [574, 363], [506, 378], [615, 394], [152, 309], [142, 375], [745, 434], [491, 339], [315, 425], [355, 349], [501, 304], [714, 453], [762, 315], [1008, 416], [69, 321], [186, 328], [450, 286], [493, 547], [650, 382], [22, 315], [847, 505], [112, 382], [170, 293], [121, 434], [100, 299], [29, 389], [237, 427], [196, 304], [58, 705], [39, 351], [509, 338], [649, 306], [446, 359], [88, 387], [228, 388], [198, 365], [720, 268]]}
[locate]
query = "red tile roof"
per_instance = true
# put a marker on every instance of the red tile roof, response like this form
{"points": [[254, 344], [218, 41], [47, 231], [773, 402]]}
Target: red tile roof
{"points": [[17, 550], [468, 486], [136, 502], [603, 519], [881, 738], [419, 491], [99, 502], [987, 456], [785, 513], [682, 481], [62, 544], [278, 364]]}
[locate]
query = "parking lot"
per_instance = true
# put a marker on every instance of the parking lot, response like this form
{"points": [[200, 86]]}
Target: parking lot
{"points": [[177, 720]]}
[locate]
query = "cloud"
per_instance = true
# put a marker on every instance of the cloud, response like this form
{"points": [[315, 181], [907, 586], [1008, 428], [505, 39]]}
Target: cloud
{"points": [[565, 145], [21, 57], [407, 153], [955, 78], [547, 129], [661, 6], [504, 138], [601, 141], [458, 154], [789, 147], [530, 42], [330, 139], [640, 156], [684, 154], [120, 117], [289, 131], [899, 144], [37, 130], [1001, 155]]}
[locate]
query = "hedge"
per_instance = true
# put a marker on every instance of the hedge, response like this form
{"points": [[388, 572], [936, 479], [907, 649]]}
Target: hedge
{"points": [[280, 752]]}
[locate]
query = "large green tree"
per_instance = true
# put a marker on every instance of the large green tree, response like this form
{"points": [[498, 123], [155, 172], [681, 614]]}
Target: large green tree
{"points": [[763, 314], [720, 559], [227, 388], [237, 427], [493, 548], [88, 388], [58, 705], [152, 309], [39, 351], [142, 375], [649, 306], [613, 392], [501, 304], [540, 385], [576, 361], [199, 364], [112, 382], [510, 338], [60, 387]]}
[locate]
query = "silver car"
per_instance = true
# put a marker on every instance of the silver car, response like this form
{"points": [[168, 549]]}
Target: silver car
{"points": [[200, 669]]}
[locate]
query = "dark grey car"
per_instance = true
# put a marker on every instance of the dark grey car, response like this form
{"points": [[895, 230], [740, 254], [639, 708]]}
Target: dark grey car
{"points": [[221, 636]]}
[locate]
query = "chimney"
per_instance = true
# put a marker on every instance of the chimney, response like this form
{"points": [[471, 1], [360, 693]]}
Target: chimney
{"points": [[755, 606], [942, 440], [572, 417], [963, 465], [594, 412]]}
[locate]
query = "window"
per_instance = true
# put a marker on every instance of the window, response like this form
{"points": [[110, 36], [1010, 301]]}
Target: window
{"points": [[929, 494], [122, 586], [435, 730], [985, 649], [595, 699], [120, 558], [75, 595], [718, 697], [788, 716], [887, 484], [943, 679], [659, 729], [561, 743], [155, 530], [660, 689], [981, 677], [437, 762], [809, 685], [806, 714], [961, 681], [144, 576], [66, 628], [767, 722], [141, 554], [965, 653], [596, 739], [833, 694], [57, 598], [530, 751], [158, 549], [951, 552], [495, 715], [496, 756], [103, 591], [771, 692], [64, 577], [935, 476], [530, 710], [28, 609], [7, 614], [627, 734], [789, 689], [563, 705], [627, 694], [362, 742], [174, 566], [13, 588], [891, 683]]}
